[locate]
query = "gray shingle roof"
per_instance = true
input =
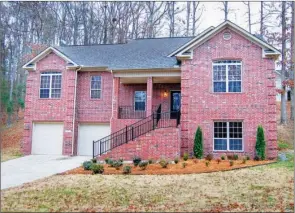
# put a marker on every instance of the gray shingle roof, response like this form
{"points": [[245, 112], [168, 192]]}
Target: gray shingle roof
{"points": [[135, 54]]}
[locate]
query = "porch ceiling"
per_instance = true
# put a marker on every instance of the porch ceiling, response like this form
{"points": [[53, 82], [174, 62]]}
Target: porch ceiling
{"points": [[156, 80]]}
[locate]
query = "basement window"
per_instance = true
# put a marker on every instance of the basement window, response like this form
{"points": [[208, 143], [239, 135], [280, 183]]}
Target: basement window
{"points": [[50, 85]]}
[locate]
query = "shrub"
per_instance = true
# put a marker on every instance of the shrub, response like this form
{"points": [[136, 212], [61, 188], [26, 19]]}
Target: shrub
{"points": [[247, 157], [235, 157], [209, 157], [143, 165], [94, 160], [222, 157], [176, 160], [207, 163], [121, 160], [218, 160], [184, 164], [185, 156], [136, 160], [198, 143], [244, 160], [87, 165], [106, 160], [110, 162], [231, 163], [260, 143], [97, 168], [117, 164], [164, 163], [151, 161], [257, 158], [126, 169]]}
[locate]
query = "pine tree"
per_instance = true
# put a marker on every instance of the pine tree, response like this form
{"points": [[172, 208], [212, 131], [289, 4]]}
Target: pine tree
{"points": [[198, 143], [260, 143]]}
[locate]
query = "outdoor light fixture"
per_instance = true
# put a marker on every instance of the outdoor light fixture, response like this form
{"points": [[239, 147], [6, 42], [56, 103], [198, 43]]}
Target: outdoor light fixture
{"points": [[165, 94]]}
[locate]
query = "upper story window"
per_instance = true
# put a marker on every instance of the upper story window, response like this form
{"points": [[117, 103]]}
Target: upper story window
{"points": [[227, 76], [50, 86], [139, 100], [95, 90]]}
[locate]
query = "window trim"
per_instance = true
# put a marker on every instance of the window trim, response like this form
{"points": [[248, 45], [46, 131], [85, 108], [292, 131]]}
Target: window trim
{"points": [[96, 89], [228, 138], [144, 103], [50, 73], [226, 75]]}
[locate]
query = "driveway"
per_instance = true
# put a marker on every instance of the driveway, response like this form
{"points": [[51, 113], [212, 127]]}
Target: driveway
{"points": [[29, 168]]}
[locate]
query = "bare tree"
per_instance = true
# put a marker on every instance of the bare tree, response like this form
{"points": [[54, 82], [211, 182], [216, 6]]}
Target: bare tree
{"points": [[248, 13], [292, 59], [225, 9], [284, 72]]}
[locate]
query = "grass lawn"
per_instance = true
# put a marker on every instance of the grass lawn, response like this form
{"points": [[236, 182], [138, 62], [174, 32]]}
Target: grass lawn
{"points": [[263, 188]]}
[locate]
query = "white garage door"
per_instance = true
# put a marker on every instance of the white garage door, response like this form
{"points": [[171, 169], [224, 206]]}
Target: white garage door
{"points": [[88, 133], [47, 138]]}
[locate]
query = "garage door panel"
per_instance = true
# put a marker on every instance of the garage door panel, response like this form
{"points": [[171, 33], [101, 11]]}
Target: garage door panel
{"points": [[88, 133], [47, 138]]}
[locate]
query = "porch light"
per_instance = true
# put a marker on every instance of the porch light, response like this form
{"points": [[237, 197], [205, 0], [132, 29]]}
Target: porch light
{"points": [[165, 94]]}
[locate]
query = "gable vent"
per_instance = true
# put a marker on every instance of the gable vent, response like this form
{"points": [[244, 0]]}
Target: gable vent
{"points": [[226, 35]]}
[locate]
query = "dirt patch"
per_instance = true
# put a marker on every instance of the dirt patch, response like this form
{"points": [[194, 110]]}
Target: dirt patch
{"points": [[286, 131], [192, 167]]}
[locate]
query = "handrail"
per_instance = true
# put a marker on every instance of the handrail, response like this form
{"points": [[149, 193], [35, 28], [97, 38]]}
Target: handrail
{"points": [[157, 120]]}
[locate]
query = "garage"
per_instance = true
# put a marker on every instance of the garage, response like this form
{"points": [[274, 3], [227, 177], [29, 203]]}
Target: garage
{"points": [[89, 132], [47, 138]]}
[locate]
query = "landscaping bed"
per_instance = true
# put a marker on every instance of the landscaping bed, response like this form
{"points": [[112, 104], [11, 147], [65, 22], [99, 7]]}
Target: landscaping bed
{"points": [[193, 166]]}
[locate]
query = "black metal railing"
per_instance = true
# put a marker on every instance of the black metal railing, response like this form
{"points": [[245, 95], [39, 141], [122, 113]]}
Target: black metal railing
{"points": [[157, 120], [129, 112]]}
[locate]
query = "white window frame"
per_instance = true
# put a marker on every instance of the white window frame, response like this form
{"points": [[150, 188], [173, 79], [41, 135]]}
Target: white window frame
{"points": [[226, 74], [228, 138], [144, 103], [50, 74], [96, 89]]}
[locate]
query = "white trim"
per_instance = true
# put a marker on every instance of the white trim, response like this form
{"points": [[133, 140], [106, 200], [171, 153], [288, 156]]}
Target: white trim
{"points": [[50, 83], [236, 29], [228, 138], [148, 74], [45, 53]]}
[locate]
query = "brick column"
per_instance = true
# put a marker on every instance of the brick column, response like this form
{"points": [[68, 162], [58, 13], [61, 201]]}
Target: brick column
{"points": [[149, 96], [115, 102]]}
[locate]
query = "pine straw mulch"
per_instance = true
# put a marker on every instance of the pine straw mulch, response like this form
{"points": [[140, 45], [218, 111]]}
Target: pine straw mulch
{"points": [[192, 167]]}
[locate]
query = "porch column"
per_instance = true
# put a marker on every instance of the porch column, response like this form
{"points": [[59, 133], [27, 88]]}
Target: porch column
{"points": [[115, 101], [149, 96]]}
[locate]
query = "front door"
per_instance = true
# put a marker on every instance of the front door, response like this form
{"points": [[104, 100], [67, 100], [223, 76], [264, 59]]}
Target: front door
{"points": [[175, 104]]}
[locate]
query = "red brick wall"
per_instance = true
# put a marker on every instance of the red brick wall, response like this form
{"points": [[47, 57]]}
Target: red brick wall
{"points": [[160, 143], [255, 105]]}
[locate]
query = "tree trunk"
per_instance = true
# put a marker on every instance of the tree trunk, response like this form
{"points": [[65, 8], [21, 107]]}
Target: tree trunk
{"points": [[188, 13], [225, 10], [261, 19], [249, 16], [293, 61], [283, 76]]}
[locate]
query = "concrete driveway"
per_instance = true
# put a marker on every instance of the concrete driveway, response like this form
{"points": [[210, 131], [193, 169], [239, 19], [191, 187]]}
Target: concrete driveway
{"points": [[29, 168]]}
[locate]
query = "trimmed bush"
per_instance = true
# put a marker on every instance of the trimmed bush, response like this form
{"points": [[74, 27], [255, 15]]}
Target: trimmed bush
{"points": [[94, 160], [209, 157], [176, 160], [143, 165], [185, 156], [207, 163], [247, 157], [164, 163], [184, 164], [231, 163], [110, 162], [136, 160], [126, 169], [151, 161], [106, 160], [117, 164], [244, 160], [97, 168], [236, 157], [87, 165], [198, 143], [222, 157], [260, 143]]}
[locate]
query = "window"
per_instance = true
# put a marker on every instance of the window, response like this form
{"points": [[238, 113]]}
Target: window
{"points": [[139, 100], [228, 136], [95, 91], [50, 86], [227, 76]]}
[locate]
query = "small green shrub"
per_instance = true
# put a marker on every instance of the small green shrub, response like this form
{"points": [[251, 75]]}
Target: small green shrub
{"points": [[209, 157], [106, 160], [207, 163], [126, 169], [184, 164], [247, 157], [87, 165], [244, 160], [143, 164], [218, 160], [198, 143], [97, 168], [260, 143], [117, 164], [110, 162], [185, 156], [94, 160], [231, 163], [176, 160], [283, 145], [222, 157], [151, 161], [257, 158], [236, 157], [164, 163], [136, 160], [121, 160]]}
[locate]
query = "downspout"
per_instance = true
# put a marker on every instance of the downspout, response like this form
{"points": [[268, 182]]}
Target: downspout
{"points": [[74, 114]]}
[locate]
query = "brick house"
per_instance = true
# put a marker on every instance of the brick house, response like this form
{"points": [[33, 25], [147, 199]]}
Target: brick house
{"points": [[148, 96]]}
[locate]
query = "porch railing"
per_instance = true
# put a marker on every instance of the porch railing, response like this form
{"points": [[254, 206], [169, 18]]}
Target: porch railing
{"points": [[157, 120], [129, 112]]}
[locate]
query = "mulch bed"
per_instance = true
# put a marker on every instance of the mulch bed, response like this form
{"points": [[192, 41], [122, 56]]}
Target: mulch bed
{"points": [[192, 167]]}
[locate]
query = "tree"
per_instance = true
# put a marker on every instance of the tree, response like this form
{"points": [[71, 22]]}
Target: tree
{"points": [[198, 143], [292, 59], [225, 9], [249, 15], [260, 143]]}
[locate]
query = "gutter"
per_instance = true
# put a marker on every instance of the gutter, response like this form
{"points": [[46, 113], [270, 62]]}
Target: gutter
{"points": [[74, 114]]}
